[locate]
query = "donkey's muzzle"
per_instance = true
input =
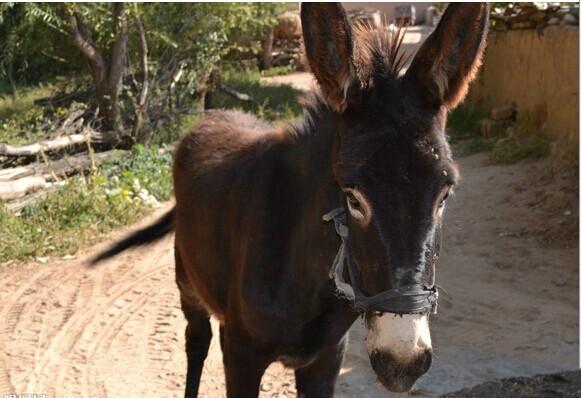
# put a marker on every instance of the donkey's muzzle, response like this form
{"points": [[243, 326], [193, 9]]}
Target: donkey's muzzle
{"points": [[410, 299], [397, 376]]}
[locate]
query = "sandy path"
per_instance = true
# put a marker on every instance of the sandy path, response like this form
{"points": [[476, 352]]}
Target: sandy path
{"points": [[70, 331], [509, 264]]}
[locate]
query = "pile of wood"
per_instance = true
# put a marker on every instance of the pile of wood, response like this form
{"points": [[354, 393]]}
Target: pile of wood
{"points": [[287, 48], [25, 184], [368, 16], [499, 120], [28, 172], [534, 16]]}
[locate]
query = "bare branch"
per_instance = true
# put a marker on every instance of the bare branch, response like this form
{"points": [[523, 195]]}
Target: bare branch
{"points": [[143, 96], [235, 94], [87, 49]]}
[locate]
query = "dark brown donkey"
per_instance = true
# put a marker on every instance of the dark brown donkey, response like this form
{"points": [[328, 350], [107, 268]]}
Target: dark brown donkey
{"points": [[251, 246]]}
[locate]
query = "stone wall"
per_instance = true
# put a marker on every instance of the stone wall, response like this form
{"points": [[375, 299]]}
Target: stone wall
{"points": [[538, 73], [389, 9]]}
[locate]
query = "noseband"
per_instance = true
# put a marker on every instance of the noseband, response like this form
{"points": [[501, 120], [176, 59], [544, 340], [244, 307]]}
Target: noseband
{"points": [[410, 299]]}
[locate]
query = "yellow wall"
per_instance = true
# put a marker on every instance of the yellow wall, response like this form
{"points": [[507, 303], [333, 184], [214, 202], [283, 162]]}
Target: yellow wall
{"points": [[539, 74]]}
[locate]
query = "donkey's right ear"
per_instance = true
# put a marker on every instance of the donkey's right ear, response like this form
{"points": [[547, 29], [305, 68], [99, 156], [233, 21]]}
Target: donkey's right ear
{"points": [[329, 48]]}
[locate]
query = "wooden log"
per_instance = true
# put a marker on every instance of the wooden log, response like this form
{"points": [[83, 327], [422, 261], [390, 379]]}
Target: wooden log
{"points": [[61, 168], [233, 93], [15, 173], [16, 189], [16, 205], [22, 191], [44, 146], [58, 143]]}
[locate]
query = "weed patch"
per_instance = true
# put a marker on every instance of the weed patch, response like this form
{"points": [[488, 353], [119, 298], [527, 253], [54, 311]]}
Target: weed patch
{"points": [[463, 131], [511, 149], [21, 121], [269, 102], [87, 207], [277, 71]]}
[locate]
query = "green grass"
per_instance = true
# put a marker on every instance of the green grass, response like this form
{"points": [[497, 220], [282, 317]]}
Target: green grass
{"points": [[519, 141], [463, 130], [277, 71], [124, 188], [87, 207], [269, 102], [20, 118], [174, 129], [512, 149]]}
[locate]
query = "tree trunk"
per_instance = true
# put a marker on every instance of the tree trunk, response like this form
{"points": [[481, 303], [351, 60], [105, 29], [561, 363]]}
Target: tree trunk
{"points": [[108, 107], [267, 42], [107, 78], [141, 108]]}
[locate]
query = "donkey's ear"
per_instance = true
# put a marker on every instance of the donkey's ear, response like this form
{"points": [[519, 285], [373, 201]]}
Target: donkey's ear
{"points": [[450, 57], [329, 48]]}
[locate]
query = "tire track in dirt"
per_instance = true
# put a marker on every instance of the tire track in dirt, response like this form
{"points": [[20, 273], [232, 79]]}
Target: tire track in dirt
{"points": [[18, 308], [117, 330], [60, 319], [110, 307]]}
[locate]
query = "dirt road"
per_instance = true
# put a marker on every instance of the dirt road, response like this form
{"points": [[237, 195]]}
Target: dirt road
{"points": [[509, 265]]}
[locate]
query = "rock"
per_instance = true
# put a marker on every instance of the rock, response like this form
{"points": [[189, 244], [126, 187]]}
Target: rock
{"points": [[500, 25], [569, 19], [523, 25], [565, 384], [553, 21], [564, 10], [493, 128], [537, 16], [288, 26], [432, 16], [368, 16], [485, 128], [502, 113]]}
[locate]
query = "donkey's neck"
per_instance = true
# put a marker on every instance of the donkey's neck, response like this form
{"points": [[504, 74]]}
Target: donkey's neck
{"points": [[311, 158]]}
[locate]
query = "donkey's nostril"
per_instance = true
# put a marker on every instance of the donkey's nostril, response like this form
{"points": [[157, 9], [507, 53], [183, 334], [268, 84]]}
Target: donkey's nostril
{"points": [[398, 376], [425, 362]]}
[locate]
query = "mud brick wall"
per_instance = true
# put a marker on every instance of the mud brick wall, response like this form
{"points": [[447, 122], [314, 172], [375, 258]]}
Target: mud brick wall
{"points": [[538, 72]]}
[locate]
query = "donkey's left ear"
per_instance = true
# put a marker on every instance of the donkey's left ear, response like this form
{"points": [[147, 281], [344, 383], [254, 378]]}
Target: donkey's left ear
{"points": [[450, 57], [329, 47]]}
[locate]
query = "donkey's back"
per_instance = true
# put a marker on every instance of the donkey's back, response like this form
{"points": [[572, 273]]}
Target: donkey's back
{"points": [[223, 171]]}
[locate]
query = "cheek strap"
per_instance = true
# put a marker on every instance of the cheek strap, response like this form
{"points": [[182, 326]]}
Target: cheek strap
{"points": [[410, 299]]}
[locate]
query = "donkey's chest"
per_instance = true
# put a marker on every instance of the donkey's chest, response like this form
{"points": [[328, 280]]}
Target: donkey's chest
{"points": [[295, 340]]}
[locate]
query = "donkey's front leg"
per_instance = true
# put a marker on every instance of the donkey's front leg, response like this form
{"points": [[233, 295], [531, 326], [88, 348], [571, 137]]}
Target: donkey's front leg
{"points": [[317, 380], [243, 365]]}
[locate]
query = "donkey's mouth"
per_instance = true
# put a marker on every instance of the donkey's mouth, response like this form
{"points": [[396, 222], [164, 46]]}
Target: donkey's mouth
{"points": [[397, 377], [399, 348]]}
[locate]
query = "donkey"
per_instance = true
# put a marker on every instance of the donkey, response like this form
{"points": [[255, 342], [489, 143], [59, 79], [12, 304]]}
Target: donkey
{"points": [[371, 156]]}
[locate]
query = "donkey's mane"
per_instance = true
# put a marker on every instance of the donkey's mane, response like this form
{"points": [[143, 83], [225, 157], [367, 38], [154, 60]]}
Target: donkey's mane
{"points": [[377, 51], [377, 55]]}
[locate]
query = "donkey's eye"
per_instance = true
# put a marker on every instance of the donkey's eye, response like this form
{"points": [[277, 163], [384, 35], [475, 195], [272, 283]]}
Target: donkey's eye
{"points": [[357, 205], [353, 202]]}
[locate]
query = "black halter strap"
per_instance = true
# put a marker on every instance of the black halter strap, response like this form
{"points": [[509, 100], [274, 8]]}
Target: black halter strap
{"points": [[411, 299]]}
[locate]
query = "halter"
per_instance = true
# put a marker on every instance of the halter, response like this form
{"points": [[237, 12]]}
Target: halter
{"points": [[410, 299]]}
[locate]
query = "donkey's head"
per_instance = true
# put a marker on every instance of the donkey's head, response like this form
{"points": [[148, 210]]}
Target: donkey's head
{"points": [[392, 160]]}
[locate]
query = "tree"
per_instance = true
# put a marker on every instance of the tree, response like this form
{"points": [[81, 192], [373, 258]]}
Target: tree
{"points": [[147, 62], [107, 72]]}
